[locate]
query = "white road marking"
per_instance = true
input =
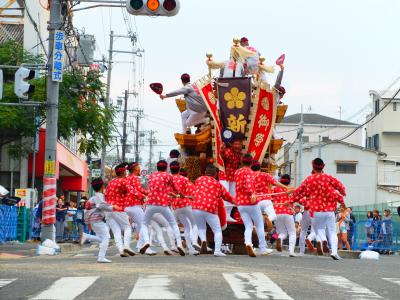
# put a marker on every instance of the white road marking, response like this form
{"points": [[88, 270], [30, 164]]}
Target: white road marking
{"points": [[258, 285], [347, 287], [67, 288], [393, 280], [4, 282], [84, 254], [153, 287]]}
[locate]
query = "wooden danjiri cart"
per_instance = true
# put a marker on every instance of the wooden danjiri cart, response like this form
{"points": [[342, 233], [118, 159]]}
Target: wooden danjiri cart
{"points": [[245, 107]]}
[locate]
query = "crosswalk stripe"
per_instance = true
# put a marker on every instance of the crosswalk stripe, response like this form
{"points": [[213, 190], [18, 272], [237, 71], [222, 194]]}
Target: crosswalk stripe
{"points": [[4, 282], [153, 287], [352, 289], [393, 280], [258, 285], [67, 288]]}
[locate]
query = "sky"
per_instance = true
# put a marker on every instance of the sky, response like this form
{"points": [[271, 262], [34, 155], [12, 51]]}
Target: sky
{"points": [[336, 51]]}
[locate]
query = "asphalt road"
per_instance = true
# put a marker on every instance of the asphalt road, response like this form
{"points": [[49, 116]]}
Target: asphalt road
{"points": [[78, 276]]}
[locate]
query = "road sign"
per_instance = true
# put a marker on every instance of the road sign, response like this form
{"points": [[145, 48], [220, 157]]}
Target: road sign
{"points": [[143, 173], [96, 172]]}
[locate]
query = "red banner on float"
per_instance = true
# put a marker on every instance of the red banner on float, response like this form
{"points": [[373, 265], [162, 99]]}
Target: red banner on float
{"points": [[262, 116], [204, 88]]}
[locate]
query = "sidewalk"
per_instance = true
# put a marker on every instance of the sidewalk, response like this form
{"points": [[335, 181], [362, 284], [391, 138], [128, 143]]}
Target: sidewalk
{"points": [[16, 249]]}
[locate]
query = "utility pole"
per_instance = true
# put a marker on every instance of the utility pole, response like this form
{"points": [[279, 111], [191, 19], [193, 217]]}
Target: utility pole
{"points": [[107, 100], [124, 134], [319, 146], [300, 150], [160, 155], [151, 140], [138, 116], [49, 180], [111, 51]]}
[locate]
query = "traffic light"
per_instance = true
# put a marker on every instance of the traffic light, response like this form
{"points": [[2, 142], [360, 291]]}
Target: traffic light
{"points": [[21, 87], [166, 8]]}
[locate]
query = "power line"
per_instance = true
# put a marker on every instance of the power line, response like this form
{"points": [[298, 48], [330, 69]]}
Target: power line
{"points": [[36, 28]]}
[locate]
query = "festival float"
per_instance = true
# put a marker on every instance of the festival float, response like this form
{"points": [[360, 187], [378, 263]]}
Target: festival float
{"points": [[243, 105]]}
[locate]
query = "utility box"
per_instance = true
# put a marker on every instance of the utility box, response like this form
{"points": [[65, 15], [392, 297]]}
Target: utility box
{"points": [[85, 49]]}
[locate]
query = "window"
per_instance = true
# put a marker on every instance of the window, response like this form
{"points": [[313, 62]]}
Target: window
{"points": [[325, 138], [369, 142], [394, 106], [376, 109], [306, 139], [346, 167], [375, 142]]}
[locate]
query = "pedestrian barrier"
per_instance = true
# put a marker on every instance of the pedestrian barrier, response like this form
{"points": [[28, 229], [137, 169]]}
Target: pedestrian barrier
{"points": [[8, 223], [381, 236], [23, 225]]}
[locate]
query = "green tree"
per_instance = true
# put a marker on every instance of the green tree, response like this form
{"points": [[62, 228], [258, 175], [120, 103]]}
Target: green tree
{"points": [[79, 109]]}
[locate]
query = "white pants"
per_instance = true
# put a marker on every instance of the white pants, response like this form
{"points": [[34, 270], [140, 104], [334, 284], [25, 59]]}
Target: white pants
{"points": [[163, 222], [326, 220], [102, 237], [137, 214], [160, 234], [167, 214], [252, 214], [230, 186], [119, 221], [202, 219], [192, 118], [185, 216], [285, 227], [267, 208], [306, 222]]}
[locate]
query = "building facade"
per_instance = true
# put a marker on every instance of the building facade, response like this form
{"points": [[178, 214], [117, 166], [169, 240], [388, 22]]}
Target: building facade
{"points": [[317, 130]]}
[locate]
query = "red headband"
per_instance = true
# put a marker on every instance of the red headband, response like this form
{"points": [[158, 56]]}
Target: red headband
{"points": [[247, 159], [284, 180], [97, 181], [132, 166], [120, 169], [318, 166], [174, 167], [183, 173], [162, 164]]}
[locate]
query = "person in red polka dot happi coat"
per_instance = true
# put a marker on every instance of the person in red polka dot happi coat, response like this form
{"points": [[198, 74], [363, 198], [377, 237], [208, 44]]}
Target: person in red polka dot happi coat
{"points": [[161, 187], [183, 206], [232, 157], [324, 192], [135, 210], [120, 193], [283, 205], [246, 200], [207, 195], [263, 182]]}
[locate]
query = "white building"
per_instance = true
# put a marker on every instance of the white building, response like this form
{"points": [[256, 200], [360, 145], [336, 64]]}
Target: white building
{"points": [[383, 131], [318, 129], [358, 168]]}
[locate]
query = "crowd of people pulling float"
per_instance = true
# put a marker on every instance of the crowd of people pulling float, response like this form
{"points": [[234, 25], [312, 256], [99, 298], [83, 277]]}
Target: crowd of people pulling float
{"points": [[219, 184]]}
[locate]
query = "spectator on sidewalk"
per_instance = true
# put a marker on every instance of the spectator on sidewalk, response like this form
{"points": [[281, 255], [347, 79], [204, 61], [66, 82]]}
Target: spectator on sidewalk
{"points": [[342, 223], [297, 214], [350, 230], [80, 221], [376, 223], [386, 232], [61, 210], [71, 221], [369, 227]]}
